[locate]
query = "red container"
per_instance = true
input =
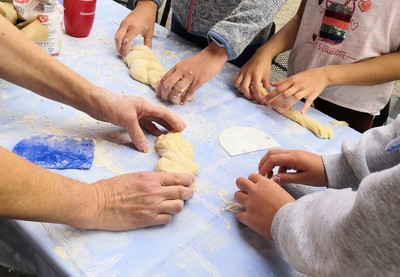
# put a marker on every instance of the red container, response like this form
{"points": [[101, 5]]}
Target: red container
{"points": [[79, 17]]}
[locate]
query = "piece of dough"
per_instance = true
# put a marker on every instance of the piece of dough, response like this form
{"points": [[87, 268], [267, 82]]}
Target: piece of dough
{"points": [[339, 123], [318, 129], [7, 10], [34, 30], [177, 154], [144, 66]]}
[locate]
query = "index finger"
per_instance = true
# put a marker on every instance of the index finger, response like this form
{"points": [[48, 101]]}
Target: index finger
{"points": [[267, 156], [176, 179], [168, 119], [273, 161], [123, 39]]}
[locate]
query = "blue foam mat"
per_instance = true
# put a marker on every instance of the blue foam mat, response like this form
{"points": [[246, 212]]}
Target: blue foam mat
{"points": [[57, 152]]}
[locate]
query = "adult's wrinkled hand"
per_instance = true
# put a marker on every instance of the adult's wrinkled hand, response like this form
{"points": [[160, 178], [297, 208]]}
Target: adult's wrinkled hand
{"points": [[135, 114], [137, 200], [180, 82], [139, 21]]}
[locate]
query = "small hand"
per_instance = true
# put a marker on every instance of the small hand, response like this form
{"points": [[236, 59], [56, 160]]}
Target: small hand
{"points": [[308, 84], [309, 168], [139, 21], [140, 199], [253, 77], [261, 199], [180, 83]]}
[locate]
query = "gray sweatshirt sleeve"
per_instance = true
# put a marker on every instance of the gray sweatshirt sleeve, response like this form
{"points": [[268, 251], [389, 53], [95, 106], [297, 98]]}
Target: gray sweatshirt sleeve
{"points": [[239, 28], [158, 2], [345, 232]]}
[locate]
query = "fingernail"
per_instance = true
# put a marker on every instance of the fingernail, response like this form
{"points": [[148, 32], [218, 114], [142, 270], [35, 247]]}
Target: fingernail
{"points": [[143, 147], [276, 179]]}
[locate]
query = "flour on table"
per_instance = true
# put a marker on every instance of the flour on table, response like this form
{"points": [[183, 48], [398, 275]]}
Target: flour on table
{"points": [[144, 66], [177, 154]]}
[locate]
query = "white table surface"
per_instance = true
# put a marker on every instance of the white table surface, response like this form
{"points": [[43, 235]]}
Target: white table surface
{"points": [[205, 239]]}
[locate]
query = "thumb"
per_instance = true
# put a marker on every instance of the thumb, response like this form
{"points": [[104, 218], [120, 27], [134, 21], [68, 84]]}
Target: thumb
{"points": [[284, 178]]}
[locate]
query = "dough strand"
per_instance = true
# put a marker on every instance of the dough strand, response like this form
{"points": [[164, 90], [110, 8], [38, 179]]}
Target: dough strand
{"points": [[177, 154], [144, 66]]}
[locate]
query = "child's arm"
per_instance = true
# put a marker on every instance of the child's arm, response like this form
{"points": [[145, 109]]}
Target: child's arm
{"points": [[309, 84], [257, 70]]}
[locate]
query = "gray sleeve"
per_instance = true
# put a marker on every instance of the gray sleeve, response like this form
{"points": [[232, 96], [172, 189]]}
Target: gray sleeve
{"points": [[345, 232], [239, 28], [359, 160], [158, 2], [342, 232]]}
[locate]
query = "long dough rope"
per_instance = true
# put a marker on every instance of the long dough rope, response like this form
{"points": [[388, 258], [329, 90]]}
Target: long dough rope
{"points": [[321, 131]]}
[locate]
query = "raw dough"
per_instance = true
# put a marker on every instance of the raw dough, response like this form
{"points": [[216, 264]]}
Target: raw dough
{"points": [[177, 154], [339, 123], [144, 66], [34, 30], [7, 10], [318, 129]]}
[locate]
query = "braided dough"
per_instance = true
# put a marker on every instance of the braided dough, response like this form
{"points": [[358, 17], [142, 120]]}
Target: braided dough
{"points": [[144, 66], [177, 154]]}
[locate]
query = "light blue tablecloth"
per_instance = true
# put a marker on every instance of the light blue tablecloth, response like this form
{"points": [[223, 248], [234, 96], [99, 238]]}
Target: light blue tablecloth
{"points": [[205, 239]]}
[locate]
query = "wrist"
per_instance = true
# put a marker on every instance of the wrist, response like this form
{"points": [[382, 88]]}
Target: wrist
{"points": [[218, 52], [83, 211], [148, 4]]}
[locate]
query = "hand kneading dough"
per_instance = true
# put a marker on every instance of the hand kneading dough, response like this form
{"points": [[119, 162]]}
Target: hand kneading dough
{"points": [[177, 154], [318, 129], [144, 66]]}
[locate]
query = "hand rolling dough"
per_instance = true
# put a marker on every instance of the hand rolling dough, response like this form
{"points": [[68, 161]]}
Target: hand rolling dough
{"points": [[318, 129], [177, 154], [144, 66]]}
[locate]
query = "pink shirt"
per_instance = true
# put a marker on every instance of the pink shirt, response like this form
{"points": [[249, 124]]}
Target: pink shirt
{"points": [[347, 31]]}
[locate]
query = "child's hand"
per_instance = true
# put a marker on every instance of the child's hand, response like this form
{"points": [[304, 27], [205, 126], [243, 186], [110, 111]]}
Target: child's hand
{"points": [[261, 198], [308, 84], [254, 76], [295, 166]]}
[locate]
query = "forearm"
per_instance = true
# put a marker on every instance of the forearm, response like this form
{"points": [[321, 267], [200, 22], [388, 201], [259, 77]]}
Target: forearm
{"points": [[237, 30], [371, 72], [359, 159], [284, 39], [157, 3], [30, 67], [339, 232], [30, 192]]}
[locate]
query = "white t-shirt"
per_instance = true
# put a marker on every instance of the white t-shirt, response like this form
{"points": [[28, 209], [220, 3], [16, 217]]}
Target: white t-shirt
{"points": [[347, 31]]}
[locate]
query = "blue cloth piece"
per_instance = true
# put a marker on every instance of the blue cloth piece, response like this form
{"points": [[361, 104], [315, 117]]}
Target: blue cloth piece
{"points": [[57, 152]]}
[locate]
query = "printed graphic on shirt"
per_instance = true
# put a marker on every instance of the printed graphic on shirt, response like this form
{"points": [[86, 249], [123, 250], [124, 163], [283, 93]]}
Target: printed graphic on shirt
{"points": [[337, 21]]}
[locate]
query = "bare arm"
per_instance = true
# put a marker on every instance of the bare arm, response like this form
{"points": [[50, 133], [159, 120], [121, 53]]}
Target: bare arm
{"points": [[258, 70], [30, 192], [30, 67], [123, 202]]}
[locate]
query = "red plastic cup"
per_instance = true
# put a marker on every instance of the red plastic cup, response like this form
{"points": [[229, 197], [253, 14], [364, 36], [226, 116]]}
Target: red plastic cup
{"points": [[79, 17]]}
